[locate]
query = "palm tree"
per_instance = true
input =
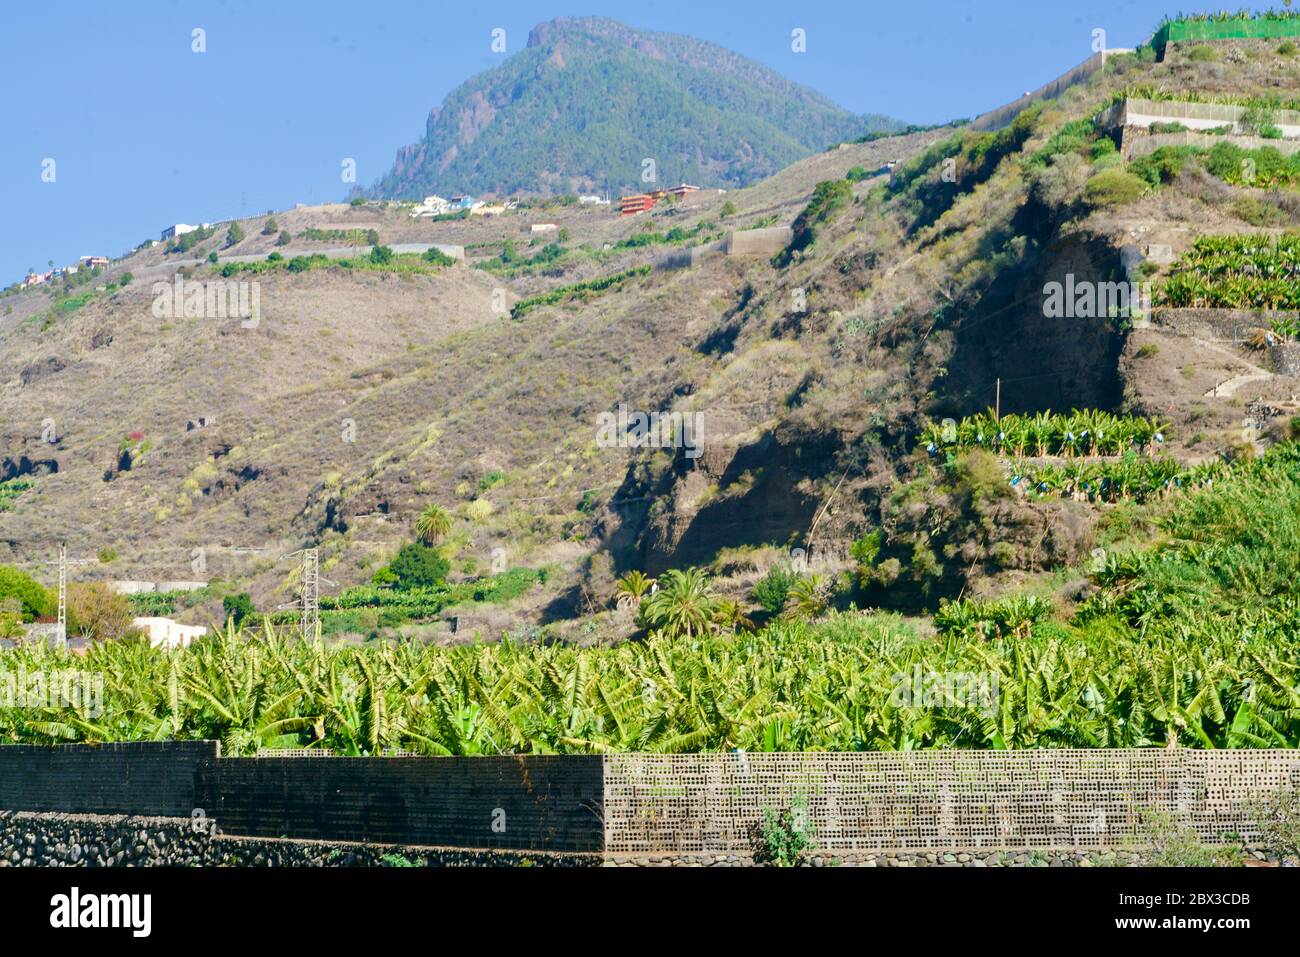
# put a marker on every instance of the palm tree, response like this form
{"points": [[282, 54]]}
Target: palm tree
{"points": [[808, 596], [731, 616], [631, 588], [434, 522], [683, 606]]}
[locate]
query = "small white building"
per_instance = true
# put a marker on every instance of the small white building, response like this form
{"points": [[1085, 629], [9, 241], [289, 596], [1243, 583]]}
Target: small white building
{"points": [[180, 229], [544, 227], [169, 633], [432, 206]]}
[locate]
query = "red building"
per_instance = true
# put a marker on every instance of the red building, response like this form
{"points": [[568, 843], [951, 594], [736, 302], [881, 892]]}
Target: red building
{"points": [[629, 205]]}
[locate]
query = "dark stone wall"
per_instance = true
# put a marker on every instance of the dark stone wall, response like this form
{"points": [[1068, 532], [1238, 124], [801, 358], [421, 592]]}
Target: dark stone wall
{"points": [[538, 802], [152, 778], [535, 802]]}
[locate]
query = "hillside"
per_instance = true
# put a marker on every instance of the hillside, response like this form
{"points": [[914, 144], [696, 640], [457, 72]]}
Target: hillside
{"points": [[902, 302], [589, 99]]}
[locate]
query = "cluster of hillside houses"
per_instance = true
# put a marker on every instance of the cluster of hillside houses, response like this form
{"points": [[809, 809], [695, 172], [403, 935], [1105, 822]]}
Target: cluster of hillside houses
{"points": [[438, 206], [86, 262], [628, 205], [431, 206]]}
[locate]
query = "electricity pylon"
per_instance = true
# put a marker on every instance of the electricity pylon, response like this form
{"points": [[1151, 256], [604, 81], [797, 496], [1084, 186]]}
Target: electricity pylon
{"points": [[61, 636], [309, 595]]}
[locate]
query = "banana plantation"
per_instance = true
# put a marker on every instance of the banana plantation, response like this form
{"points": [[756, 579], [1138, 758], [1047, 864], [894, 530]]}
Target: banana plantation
{"points": [[829, 685], [1192, 640], [1089, 456], [1130, 478], [1088, 432], [1236, 272]]}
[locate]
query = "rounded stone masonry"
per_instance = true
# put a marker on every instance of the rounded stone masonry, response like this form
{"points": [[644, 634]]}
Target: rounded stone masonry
{"points": [[41, 839]]}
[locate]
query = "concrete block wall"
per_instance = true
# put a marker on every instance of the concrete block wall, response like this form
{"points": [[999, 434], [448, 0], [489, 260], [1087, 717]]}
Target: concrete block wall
{"points": [[1138, 112], [759, 242]]}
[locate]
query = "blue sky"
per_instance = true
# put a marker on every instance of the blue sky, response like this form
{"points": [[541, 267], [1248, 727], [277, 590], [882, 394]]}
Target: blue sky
{"points": [[144, 132]]}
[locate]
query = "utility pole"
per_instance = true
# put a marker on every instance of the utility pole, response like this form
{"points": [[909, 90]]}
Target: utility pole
{"points": [[61, 636], [997, 410]]}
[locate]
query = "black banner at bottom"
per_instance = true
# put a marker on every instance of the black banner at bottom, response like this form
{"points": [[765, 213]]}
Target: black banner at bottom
{"points": [[333, 906]]}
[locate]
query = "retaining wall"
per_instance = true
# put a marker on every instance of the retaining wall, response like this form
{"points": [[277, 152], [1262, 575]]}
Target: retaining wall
{"points": [[742, 242], [535, 802], [1284, 358], [1218, 325], [1139, 112], [759, 242], [151, 778], [639, 806], [1138, 142]]}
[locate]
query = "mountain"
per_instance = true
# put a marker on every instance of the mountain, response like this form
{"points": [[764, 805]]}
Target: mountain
{"points": [[589, 100]]}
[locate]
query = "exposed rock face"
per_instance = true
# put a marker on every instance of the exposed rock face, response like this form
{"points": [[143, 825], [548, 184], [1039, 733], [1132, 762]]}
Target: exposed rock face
{"points": [[1068, 362], [41, 369], [730, 494], [22, 465]]}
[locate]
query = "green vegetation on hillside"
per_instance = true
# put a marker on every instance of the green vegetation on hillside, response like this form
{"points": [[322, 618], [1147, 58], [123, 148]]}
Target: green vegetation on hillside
{"points": [[11, 489], [31, 594], [828, 198], [186, 242], [1265, 167], [381, 259], [1184, 95], [352, 237], [1087, 432], [1236, 272], [929, 184], [576, 291]]}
